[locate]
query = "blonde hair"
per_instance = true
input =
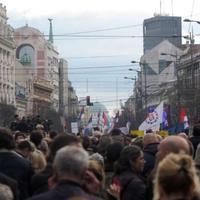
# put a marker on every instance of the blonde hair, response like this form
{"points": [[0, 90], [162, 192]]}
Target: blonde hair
{"points": [[98, 171], [176, 177], [6, 192]]}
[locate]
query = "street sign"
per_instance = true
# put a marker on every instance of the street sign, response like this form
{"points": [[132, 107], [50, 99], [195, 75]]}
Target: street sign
{"points": [[74, 127]]}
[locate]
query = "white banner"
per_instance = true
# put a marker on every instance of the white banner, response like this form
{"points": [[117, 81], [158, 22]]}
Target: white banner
{"points": [[153, 120]]}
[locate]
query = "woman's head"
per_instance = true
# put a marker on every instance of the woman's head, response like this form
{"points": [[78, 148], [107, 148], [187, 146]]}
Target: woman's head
{"points": [[176, 177], [131, 158]]}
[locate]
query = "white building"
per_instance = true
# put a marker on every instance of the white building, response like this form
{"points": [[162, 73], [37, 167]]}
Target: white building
{"points": [[158, 66], [7, 60]]}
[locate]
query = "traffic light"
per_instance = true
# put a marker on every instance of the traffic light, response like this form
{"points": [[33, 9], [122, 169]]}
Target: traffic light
{"points": [[88, 103]]}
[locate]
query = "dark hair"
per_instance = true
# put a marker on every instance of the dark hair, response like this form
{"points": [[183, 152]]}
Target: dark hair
{"points": [[113, 151], [25, 145], [53, 134], [18, 133], [36, 137], [196, 130], [129, 153], [6, 139], [61, 141], [149, 131], [85, 142], [115, 131]]}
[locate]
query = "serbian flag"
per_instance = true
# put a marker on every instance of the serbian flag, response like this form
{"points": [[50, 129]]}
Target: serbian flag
{"points": [[105, 119], [183, 119]]}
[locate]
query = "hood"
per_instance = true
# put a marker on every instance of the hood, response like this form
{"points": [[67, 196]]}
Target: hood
{"points": [[151, 148]]}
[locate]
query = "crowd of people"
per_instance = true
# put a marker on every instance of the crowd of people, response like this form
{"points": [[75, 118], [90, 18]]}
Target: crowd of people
{"points": [[41, 165]]}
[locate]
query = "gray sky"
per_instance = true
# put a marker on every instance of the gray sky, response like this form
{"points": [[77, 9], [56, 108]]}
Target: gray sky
{"points": [[123, 17]]}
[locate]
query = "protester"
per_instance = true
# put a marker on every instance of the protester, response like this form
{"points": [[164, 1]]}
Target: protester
{"points": [[176, 178], [13, 165], [24, 148], [70, 166], [195, 139], [39, 182], [150, 144], [37, 157], [127, 174], [171, 144]]}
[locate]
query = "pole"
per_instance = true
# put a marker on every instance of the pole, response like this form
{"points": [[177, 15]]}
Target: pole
{"points": [[117, 93], [145, 86], [87, 85]]}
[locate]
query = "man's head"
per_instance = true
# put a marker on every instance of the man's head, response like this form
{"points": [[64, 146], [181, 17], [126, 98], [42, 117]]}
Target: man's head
{"points": [[150, 138], [62, 140], [71, 162], [6, 139], [172, 144]]}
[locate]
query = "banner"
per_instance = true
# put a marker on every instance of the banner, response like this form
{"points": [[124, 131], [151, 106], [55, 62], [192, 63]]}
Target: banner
{"points": [[153, 119], [137, 133]]}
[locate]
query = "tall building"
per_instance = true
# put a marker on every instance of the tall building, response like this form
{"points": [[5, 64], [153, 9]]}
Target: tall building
{"points": [[7, 60], [159, 28]]}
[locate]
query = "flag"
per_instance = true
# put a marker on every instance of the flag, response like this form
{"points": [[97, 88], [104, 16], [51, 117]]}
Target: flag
{"points": [[105, 119], [115, 120], [128, 125], [81, 113], [164, 120], [183, 119], [89, 124], [98, 118], [117, 117], [153, 119]]}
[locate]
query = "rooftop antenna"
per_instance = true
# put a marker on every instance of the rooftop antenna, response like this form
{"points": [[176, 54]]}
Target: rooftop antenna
{"points": [[50, 31], [160, 7], [172, 7]]}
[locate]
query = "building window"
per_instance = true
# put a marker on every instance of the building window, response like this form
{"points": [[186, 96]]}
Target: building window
{"points": [[26, 55]]}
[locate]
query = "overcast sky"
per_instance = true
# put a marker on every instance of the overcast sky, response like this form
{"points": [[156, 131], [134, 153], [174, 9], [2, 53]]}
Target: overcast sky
{"points": [[123, 17]]}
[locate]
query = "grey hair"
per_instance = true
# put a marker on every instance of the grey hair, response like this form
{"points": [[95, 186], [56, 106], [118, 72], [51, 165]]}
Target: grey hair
{"points": [[5, 192], [71, 160]]}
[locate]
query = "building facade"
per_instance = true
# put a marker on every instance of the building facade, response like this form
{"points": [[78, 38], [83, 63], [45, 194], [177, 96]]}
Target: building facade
{"points": [[158, 66], [72, 106], [159, 28], [36, 61], [63, 87], [7, 60], [188, 75]]}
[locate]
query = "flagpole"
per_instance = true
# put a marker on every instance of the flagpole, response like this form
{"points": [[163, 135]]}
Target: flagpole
{"points": [[117, 93]]}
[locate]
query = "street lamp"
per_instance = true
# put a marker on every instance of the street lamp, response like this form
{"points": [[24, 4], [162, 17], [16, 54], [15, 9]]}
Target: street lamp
{"points": [[145, 79], [129, 78], [135, 70], [189, 20]]}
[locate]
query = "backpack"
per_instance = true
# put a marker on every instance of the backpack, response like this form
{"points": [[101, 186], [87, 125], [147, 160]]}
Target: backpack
{"points": [[117, 181]]}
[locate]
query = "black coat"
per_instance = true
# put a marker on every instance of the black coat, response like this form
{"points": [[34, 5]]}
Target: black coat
{"points": [[64, 191], [132, 186], [195, 140], [18, 168], [39, 182], [149, 157]]}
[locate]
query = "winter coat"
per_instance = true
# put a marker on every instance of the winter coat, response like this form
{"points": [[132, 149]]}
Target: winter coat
{"points": [[15, 166], [149, 156], [195, 140], [132, 186], [64, 190]]}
